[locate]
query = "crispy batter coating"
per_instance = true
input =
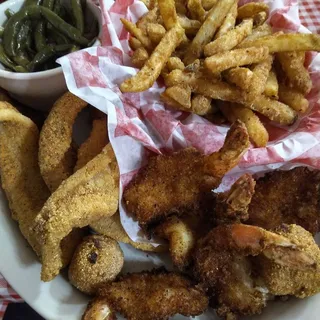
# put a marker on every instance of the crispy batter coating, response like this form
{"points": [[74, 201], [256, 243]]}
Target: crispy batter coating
{"points": [[232, 206], [301, 276], [98, 259], [174, 184], [97, 140], [57, 157], [112, 228], [86, 196], [290, 197], [155, 295]]}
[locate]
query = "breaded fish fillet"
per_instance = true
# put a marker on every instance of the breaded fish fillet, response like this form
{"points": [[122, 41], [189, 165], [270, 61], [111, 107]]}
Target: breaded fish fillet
{"points": [[175, 183], [155, 295], [290, 197]]}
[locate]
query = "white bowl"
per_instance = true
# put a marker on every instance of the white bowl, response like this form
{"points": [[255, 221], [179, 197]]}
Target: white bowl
{"points": [[38, 90]]}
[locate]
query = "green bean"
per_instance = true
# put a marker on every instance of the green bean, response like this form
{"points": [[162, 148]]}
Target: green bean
{"points": [[1, 31], [22, 37], [5, 60], [13, 27], [39, 36], [9, 13], [78, 14], [48, 53], [64, 27], [21, 59], [48, 4], [32, 2], [58, 37]]}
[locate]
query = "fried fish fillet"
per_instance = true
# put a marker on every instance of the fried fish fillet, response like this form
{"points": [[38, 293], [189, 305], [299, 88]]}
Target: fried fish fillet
{"points": [[174, 184], [86, 196], [155, 295], [57, 157], [290, 197]]}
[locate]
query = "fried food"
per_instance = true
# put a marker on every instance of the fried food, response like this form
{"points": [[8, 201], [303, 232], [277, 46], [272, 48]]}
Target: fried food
{"points": [[97, 260], [289, 197], [97, 140], [153, 194], [240, 76], [249, 10], [181, 240], [57, 157], [196, 10], [155, 295], [271, 89], [228, 263], [88, 195], [232, 206], [229, 22], [112, 228]]}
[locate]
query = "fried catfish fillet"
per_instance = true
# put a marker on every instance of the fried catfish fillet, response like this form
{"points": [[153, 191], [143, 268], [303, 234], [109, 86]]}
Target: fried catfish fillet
{"points": [[88, 195], [227, 262], [174, 184], [155, 295], [290, 197]]}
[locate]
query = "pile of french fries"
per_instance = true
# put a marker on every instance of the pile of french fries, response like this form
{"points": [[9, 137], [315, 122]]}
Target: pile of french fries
{"points": [[219, 60]]}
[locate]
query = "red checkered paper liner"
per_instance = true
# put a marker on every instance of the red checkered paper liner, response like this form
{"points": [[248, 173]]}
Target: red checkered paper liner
{"points": [[139, 124]]}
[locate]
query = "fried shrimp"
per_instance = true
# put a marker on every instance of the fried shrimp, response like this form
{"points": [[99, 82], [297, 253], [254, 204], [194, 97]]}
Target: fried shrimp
{"points": [[57, 157], [88, 195], [174, 184], [155, 295], [97, 260]]}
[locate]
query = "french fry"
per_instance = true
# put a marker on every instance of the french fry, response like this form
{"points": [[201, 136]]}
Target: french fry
{"points": [[235, 58], [259, 79], [240, 76], [249, 10], [196, 10], [178, 97], [191, 27], [181, 7], [150, 17], [208, 4], [137, 33], [140, 57], [293, 98], [230, 39], [260, 18], [146, 77], [257, 132], [155, 32], [229, 22], [272, 86], [209, 27], [201, 105], [286, 42], [274, 110], [292, 64], [134, 43], [175, 63], [168, 13], [259, 32]]}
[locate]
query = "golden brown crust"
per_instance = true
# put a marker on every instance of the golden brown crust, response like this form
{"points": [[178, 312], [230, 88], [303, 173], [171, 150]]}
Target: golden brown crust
{"points": [[97, 260]]}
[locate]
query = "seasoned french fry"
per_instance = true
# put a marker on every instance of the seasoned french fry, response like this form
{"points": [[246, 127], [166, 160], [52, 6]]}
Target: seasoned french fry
{"points": [[139, 58], [209, 27], [286, 42], [292, 64], [293, 98], [191, 27], [274, 110], [201, 105], [208, 4], [150, 17], [155, 32], [146, 77], [259, 79], [134, 43], [240, 76], [249, 10], [230, 39], [229, 21], [257, 132], [168, 13], [175, 63], [196, 10], [180, 6], [235, 58], [272, 86], [178, 97], [260, 18], [137, 33], [259, 32]]}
